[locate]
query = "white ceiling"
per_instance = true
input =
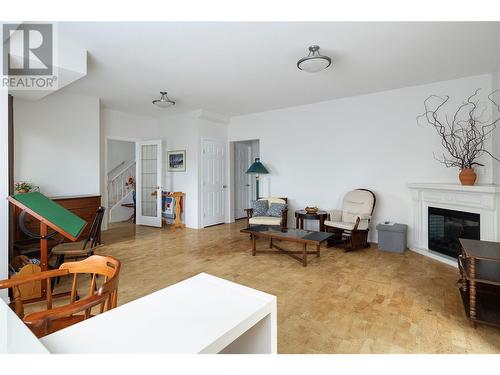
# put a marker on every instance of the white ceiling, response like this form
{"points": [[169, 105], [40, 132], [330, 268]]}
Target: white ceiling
{"points": [[238, 68]]}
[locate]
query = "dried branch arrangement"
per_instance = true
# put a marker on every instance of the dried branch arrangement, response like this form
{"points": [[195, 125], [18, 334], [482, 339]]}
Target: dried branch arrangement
{"points": [[464, 135]]}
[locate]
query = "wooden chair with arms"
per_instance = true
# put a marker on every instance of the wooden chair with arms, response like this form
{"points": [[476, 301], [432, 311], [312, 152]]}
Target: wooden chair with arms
{"points": [[53, 319], [269, 220]]}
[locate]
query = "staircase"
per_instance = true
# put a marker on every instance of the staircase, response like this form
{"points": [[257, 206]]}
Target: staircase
{"points": [[117, 178]]}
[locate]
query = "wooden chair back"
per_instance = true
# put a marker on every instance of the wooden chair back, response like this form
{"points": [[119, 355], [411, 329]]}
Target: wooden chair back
{"points": [[16, 283], [94, 237], [53, 319], [107, 267]]}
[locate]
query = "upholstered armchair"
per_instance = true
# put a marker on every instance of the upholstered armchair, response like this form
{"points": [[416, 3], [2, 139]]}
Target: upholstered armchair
{"points": [[268, 217], [351, 223]]}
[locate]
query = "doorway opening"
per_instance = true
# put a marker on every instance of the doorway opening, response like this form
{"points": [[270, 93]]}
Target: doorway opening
{"points": [[244, 153], [133, 175], [120, 169]]}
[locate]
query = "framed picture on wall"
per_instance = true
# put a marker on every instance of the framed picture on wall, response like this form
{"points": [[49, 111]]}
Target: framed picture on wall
{"points": [[176, 161]]}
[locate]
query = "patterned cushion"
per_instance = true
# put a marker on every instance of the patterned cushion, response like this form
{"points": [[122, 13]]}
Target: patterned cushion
{"points": [[275, 209], [259, 208]]}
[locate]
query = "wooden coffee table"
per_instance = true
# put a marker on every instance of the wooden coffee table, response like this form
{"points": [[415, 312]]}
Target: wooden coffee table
{"points": [[305, 237]]}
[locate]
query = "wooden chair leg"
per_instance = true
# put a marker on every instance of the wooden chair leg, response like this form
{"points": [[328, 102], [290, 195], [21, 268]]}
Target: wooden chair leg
{"points": [[348, 244], [59, 261], [337, 240]]}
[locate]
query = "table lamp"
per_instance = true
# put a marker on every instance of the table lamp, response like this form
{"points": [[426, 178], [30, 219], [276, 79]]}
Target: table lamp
{"points": [[257, 168]]}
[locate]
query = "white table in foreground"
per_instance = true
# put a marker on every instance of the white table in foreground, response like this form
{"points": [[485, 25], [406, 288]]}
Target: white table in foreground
{"points": [[15, 336], [203, 314]]}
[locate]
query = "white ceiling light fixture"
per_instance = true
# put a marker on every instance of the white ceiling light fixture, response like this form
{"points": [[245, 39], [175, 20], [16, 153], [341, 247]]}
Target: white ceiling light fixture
{"points": [[164, 101], [314, 62]]}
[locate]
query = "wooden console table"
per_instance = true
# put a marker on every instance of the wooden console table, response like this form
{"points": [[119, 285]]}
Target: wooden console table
{"points": [[479, 265], [179, 202]]}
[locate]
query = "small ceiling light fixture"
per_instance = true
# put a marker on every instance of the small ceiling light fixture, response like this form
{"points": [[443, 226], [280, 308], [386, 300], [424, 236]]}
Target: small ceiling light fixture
{"points": [[314, 62], [164, 101]]}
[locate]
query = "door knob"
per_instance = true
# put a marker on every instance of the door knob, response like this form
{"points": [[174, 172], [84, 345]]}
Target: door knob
{"points": [[247, 185], [224, 186]]}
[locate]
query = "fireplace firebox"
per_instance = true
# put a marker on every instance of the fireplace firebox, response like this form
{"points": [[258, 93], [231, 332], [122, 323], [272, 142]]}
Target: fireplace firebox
{"points": [[445, 227]]}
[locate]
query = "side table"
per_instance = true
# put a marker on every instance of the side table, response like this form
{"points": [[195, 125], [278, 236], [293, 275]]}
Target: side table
{"points": [[479, 265], [302, 215]]}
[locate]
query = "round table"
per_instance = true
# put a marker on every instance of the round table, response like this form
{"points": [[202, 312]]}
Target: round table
{"points": [[302, 215]]}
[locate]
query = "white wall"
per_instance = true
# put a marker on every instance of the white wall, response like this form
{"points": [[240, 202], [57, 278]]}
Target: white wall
{"points": [[185, 132], [318, 152], [118, 152], [56, 143], [181, 132], [496, 135], [121, 125]]}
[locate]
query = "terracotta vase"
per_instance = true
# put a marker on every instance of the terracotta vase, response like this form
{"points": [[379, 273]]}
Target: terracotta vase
{"points": [[467, 176]]}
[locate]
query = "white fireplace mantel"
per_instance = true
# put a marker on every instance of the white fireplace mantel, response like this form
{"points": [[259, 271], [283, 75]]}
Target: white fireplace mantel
{"points": [[492, 189], [480, 199]]}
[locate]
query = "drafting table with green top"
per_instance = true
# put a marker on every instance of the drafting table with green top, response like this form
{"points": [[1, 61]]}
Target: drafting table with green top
{"points": [[50, 214]]}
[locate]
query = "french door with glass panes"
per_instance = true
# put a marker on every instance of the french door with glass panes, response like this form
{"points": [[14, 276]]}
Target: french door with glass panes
{"points": [[148, 183]]}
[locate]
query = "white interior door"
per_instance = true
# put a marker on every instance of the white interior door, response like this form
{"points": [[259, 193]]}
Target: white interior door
{"points": [[148, 183], [242, 181], [213, 182]]}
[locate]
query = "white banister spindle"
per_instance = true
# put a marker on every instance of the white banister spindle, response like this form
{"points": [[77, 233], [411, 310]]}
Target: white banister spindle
{"points": [[116, 186]]}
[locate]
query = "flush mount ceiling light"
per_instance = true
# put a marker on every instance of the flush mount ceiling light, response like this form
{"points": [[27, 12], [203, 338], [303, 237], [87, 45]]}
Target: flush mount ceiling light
{"points": [[164, 101], [314, 62]]}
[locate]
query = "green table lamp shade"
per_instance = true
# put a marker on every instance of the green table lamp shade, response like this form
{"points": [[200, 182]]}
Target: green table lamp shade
{"points": [[257, 168]]}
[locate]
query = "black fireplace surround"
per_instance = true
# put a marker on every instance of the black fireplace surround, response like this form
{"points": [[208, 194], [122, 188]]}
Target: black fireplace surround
{"points": [[445, 227]]}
